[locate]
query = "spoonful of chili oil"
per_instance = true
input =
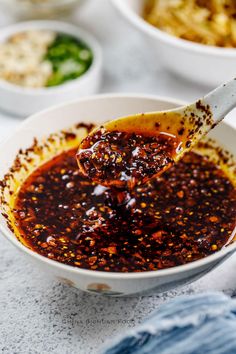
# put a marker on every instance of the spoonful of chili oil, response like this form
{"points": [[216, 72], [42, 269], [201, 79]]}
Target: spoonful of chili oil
{"points": [[129, 151]]}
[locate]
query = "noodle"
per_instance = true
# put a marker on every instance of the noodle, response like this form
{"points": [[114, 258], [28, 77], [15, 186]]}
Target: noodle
{"points": [[211, 22]]}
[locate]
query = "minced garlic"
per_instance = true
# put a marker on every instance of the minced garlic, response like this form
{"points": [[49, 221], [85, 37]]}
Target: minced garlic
{"points": [[22, 58]]}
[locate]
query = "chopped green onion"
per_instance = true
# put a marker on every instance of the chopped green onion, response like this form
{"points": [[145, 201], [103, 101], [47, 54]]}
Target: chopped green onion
{"points": [[70, 58]]}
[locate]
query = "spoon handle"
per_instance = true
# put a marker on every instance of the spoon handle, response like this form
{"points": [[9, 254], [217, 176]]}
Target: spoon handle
{"points": [[221, 100]]}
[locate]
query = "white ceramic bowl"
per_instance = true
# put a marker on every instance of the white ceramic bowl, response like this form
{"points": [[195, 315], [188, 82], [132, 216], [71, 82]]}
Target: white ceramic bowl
{"points": [[203, 64], [49, 9], [98, 109], [25, 101]]}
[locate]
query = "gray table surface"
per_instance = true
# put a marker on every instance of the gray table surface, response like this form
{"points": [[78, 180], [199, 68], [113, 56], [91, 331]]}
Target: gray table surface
{"points": [[39, 315]]}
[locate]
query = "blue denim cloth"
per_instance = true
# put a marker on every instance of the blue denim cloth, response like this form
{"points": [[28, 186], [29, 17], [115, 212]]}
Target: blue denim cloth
{"points": [[197, 324]]}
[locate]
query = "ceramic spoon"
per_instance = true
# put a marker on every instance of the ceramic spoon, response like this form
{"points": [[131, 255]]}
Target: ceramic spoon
{"points": [[187, 125]]}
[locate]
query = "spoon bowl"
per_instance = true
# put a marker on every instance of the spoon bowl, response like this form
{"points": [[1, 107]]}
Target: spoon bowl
{"points": [[131, 150]]}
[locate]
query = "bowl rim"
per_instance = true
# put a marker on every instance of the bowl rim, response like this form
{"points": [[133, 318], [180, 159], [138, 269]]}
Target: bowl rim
{"points": [[102, 274], [141, 24], [45, 6], [58, 27]]}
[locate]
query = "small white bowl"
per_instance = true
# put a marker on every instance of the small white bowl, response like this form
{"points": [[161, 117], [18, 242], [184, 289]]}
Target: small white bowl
{"points": [[207, 65], [23, 101], [50, 9], [98, 109]]}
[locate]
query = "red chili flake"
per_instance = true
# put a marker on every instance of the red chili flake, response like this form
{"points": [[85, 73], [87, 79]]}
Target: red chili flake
{"points": [[213, 218], [180, 194]]}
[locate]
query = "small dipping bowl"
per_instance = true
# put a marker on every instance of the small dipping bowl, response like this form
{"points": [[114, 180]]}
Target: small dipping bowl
{"points": [[23, 101], [98, 109]]}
